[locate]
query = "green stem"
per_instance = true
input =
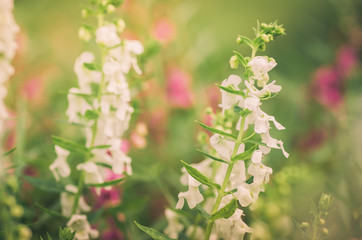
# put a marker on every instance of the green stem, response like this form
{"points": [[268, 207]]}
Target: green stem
{"points": [[221, 192], [95, 125]]}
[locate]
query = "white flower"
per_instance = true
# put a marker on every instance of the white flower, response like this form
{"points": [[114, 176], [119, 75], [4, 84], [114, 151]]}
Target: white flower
{"points": [[86, 76], [67, 201], [93, 174], [174, 227], [224, 147], [265, 91], [260, 66], [60, 166], [81, 226], [107, 35], [232, 228], [244, 196], [229, 99], [260, 172], [192, 196], [77, 105], [272, 143]]}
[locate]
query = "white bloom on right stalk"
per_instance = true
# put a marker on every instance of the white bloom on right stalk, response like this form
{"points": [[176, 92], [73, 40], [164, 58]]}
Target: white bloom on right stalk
{"points": [[81, 226]]}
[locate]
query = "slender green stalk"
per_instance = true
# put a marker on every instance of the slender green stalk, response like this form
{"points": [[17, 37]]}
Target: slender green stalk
{"points": [[221, 192]]}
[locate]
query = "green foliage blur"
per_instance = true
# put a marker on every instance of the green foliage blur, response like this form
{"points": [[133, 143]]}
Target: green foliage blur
{"points": [[195, 40]]}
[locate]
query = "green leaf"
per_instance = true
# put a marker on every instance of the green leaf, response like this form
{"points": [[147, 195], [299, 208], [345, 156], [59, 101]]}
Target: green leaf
{"points": [[50, 212], [45, 184], [69, 145], [202, 212], [199, 176], [269, 96], [245, 155], [255, 142], [212, 157], [106, 184], [154, 234], [230, 192], [230, 90], [214, 130], [90, 115], [92, 66], [9, 152], [250, 180], [241, 59], [226, 211], [66, 234]]}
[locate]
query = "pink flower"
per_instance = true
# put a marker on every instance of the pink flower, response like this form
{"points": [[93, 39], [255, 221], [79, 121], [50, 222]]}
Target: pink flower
{"points": [[112, 232], [327, 87], [110, 196], [33, 89], [178, 88], [346, 61], [163, 31], [125, 146]]}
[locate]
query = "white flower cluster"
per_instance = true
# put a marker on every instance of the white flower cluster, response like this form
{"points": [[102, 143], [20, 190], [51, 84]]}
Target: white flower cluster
{"points": [[244, 191], [8, 45], [105, 113]]}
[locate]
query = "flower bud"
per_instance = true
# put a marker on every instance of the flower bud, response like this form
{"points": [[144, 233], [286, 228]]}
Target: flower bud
{"points": [[84, 13], [234, 62], [322, 221], [24, 232], [304, 225], [121, 25], [265, 38], [325, 231], [84, 34], [17, 211], [111, 8], [239, 40], [104, 2]]}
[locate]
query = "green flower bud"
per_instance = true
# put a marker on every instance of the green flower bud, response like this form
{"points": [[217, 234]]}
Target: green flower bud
{"points": [[304, 225], [265, 38], [84, 34], [111, 8], [322, 221], [24, 233], [325, 231], [234, 62], [121, 25], [84, 13], [17, 211]]}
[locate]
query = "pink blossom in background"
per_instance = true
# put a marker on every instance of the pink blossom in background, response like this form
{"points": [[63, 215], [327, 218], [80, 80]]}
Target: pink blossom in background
{"points": [[346, 61], [327, 88], [213, 97], [109, 196], [112, 232], [157, 124], [313, 140], [178, 88], [163, 30], [138, 140], [125, 146]]}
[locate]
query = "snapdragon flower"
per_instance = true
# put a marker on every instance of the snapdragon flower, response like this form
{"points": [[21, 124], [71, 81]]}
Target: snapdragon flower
{"points": [[233, 171]]}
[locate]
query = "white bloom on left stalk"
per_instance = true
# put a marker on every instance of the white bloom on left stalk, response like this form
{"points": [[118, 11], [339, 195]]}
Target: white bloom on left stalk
{"points": [[8, 45], [60, 167]]}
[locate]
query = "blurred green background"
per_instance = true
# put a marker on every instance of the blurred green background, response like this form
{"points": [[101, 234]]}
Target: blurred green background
{"points": [[194, 40]]}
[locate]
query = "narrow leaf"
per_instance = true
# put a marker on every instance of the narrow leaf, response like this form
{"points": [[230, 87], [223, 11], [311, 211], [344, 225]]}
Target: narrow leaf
{"points": [[202, 212], [154, 234], [9, 152], [242, 39], [269, 96], [245, 155], [226, 211], [230, 90], [199, 176], [45, 184], [92, 66], [240, 58], [50, 212], [214, 130], [101, 146], [69, 145], [212, 157], [230, 192], [106, 184], [250, 180]]}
